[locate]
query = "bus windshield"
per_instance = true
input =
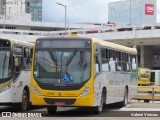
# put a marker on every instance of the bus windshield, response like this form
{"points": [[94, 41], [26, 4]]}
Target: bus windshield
{"points": [[62, 66], [5, 64]]}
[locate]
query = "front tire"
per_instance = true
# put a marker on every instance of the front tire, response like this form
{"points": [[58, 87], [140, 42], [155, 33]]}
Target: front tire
{"points": [[25, 101], [125, 99], [146, 101], [51, 109], [99, 109]]}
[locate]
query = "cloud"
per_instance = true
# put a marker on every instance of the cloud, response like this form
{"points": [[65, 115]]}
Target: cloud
{"points": [[77, 11]]}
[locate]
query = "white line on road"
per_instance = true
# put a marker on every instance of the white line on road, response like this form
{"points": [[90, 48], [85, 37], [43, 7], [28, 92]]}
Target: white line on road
{"points": [[139, 109]]}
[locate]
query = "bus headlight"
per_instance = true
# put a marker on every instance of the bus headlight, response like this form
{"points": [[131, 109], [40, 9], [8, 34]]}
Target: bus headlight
{"points": [[35, 90], [86, 91], [4, 88]]}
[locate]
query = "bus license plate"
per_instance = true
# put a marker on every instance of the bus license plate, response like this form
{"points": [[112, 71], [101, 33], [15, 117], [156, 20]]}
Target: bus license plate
{"points": [[59, 103]]}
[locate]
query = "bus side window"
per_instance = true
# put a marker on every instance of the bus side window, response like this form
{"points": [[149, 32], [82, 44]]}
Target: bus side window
{"points": [[124, 62], [104, 56], [112, 62], [134, 65], [129, 64], [17, 64], [118, 59], [17, 61], [27, 58], [97, 61]]}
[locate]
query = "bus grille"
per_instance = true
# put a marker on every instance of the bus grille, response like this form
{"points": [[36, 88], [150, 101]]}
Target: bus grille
{"points": [[54, 100]]}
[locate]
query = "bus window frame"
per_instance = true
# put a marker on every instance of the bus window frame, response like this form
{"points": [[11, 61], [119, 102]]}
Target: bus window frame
{"points": [[27, 57], [97, 59], [120, 57]]}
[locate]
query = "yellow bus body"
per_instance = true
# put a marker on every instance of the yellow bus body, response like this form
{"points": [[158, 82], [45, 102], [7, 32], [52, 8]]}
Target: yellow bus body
{"points": [[144, 76], [74, 94]]}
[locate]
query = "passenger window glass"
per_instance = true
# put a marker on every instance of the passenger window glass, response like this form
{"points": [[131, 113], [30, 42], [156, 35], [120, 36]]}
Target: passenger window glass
{"points": [[118, 61], [97, 64], [17, 64], [112, 64], [97, 59], [27, 58], [105, 61], [134, 65]]}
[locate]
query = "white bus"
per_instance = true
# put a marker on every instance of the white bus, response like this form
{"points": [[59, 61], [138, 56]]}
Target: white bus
{"points": [[15, 65]]}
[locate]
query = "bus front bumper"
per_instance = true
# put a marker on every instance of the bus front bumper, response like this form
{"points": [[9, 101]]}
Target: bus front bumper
{"points": [[63, 101]]}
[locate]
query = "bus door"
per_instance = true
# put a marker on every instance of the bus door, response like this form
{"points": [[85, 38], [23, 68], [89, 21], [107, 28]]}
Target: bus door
{"points": [[17, 68], [97, 75]]}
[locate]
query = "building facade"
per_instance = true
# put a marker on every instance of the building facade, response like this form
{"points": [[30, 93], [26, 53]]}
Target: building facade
{"points": [[34, 7], [14, 10], [2, 8], [134, 12], [22, 10]]}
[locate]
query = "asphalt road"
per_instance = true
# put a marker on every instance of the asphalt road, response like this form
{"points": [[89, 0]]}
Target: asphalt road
{"points": [[134, 110]]}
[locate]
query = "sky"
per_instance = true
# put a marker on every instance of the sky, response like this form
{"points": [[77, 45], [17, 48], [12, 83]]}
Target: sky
{"points": [[158, 11], [78, 11]]}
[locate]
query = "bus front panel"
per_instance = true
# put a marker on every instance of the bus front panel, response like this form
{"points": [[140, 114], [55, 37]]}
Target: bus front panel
{"points": [[62, 72]]}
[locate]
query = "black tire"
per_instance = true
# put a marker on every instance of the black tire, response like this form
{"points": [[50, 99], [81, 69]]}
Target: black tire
{"points": [[124, 102], [51, 109], [146, 101], [99, 109], [125, 99], [25, 101]]}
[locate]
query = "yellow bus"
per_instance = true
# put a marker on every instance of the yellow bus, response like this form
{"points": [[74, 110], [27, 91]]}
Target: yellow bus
{"points": [[15, 70], [144, 76], [82, 72]]}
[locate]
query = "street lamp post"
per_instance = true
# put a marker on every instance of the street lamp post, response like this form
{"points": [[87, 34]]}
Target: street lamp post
{"points": [[4, 13], [3, 10], [130, 13], [65, 15]]}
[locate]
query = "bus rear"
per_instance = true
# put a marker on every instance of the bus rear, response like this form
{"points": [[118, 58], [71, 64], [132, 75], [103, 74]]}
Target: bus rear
{"points": [[144, 76], [61, 73]]}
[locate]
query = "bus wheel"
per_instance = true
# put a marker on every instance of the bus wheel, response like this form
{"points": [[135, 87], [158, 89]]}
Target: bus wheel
{"points": [[99, 108], [146, 101], [125, 100], [51, 109], [25, 99]]}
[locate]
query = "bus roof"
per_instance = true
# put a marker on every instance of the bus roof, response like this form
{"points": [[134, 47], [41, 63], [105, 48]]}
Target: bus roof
{"points": [[17, 41], [114, 46], [99, 42]]}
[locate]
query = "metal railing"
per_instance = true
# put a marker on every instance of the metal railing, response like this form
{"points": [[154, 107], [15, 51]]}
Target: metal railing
{"points": [[97, 30], [148, 93]]}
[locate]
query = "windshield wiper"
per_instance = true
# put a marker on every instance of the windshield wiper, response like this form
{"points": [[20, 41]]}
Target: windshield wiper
{"points": [[55, 61], [71, 58], [53, 58]]}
